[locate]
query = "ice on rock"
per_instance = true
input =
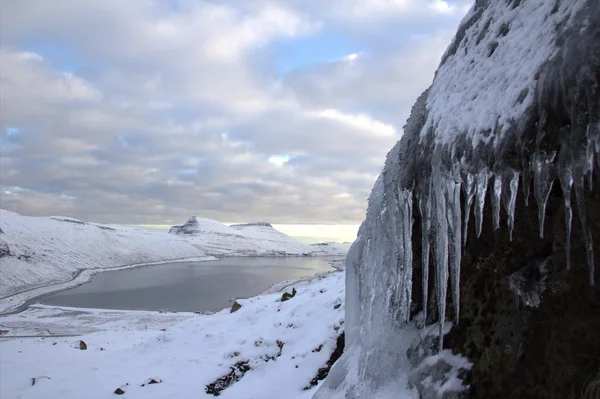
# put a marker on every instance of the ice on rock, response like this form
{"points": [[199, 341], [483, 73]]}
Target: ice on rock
{"points": [[578, 185], [509, 197], [454, 241], [482, 184], [477, 116], [425, 213], [440, 224], [469, 184], [565, 175], [544, 175], [496, 199]]}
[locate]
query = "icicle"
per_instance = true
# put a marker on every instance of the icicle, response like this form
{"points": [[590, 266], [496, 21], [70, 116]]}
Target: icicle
{"points": [[543, 171], [526, 182], [454, 242], [469, 184], [441, 247], [509, 194], [408, 256], [425, 210], [496, 201], [565, 176], [578, 185], [482, 183]]}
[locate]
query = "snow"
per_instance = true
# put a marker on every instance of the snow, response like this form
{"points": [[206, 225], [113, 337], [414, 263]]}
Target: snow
{"points": [[252, 239], [285, 343], [44, 254], [500, 54]]}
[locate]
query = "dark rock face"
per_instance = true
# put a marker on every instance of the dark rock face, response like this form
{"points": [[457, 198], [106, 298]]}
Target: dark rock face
{"points": [[189, 227], [255, 224], [548, 351]]}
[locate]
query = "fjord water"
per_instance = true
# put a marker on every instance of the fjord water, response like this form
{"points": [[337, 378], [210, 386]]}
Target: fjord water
{"points": [[186, 286]]}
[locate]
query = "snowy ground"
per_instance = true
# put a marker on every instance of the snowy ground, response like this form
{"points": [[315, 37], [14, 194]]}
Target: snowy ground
{"points": [[284, 343]]}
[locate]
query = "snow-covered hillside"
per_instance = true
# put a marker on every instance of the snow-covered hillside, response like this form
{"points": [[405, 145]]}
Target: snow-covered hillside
{"points": [[252, 239], [332, 248], [41, 251], [268, 349]]}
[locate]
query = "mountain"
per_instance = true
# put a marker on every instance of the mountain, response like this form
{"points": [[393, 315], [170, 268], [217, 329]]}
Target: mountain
{"points": [[511, 120], [38, 251], [252, 239]]}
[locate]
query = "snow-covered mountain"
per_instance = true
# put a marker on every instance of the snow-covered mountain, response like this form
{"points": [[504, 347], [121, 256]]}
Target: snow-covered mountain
{"points": [[515, 100], [252, 239], [332, 248], [39, 251]]}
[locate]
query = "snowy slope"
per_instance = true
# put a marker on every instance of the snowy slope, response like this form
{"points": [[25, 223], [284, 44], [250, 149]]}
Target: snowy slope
{"points": [[284, 343], [332, 248], [253, 239], [51, 250], [516, 99]]}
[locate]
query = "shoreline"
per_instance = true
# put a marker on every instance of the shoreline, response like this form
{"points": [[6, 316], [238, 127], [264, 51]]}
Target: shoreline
{"points": [[16, 303], [13, 303]]}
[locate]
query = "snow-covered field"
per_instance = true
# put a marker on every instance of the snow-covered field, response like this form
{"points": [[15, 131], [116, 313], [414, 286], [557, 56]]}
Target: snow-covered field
{"points": [[43, 254], [282, 345]]}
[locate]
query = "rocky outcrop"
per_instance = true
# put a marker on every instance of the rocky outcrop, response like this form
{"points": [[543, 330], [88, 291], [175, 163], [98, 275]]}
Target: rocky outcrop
{"points": [[513, 115], [551, 350]]}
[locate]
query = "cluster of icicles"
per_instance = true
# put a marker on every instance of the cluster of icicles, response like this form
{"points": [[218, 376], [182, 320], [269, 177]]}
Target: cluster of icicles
{"points": [[441, 215]]}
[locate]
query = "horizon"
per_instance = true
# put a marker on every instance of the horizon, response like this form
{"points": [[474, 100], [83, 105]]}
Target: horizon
{"points": [[273, 110], [305, 233]]}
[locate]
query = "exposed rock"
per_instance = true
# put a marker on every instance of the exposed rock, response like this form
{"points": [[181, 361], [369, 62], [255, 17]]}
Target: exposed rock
{"points": [[441, 376], [237, 372], [287, 296], [4, 248], [235, 307], [335, 355], [255, 224], [424, 345], [82, 345], [119, 391]]}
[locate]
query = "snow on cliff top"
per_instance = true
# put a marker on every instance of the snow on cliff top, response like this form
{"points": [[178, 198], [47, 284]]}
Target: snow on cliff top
{"points": [[488, 76]]}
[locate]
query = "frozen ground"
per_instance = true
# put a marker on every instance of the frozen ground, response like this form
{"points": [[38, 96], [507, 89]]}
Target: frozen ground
{"points": [[283, 343]]}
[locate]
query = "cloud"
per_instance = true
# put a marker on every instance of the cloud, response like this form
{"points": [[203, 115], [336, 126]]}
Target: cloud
{"points": [[144, 112]]}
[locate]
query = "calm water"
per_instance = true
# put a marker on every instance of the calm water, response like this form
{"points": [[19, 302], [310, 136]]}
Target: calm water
{"points": [[190, 286]]}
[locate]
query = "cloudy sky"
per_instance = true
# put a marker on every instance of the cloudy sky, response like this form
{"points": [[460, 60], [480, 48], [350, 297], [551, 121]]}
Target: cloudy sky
{"points": [[150, 111]]}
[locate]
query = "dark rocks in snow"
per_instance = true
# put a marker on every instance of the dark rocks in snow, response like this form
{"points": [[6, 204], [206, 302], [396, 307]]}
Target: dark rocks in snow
{"points": [[335, 355], [287, 296], [119, 391], [4, 248], [255, 224], [235, 307], [189, 227], [82, 345], [237, 372]]}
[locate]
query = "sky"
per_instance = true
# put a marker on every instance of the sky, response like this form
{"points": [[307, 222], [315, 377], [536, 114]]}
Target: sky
{"points": [[147, 112]]}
